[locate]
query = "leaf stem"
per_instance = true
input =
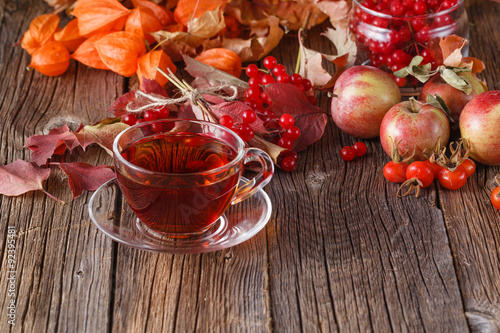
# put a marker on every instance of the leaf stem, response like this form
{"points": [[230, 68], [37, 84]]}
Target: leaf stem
{"points": [[53, 197]]}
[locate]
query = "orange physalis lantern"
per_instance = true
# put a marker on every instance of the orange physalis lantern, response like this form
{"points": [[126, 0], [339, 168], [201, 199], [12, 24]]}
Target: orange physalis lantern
{"points": [[51, 59], [99, 16], [142, 21], [70, 36], [147, 64], [188, 9], [161, 13], [41, 30], [222, 59], [119, 51], [87, 54]]}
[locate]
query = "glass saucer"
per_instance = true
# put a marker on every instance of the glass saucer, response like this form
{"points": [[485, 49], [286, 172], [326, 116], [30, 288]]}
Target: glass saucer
{"points": [[240, 222]]}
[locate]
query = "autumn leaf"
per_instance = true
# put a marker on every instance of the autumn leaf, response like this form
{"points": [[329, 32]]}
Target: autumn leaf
{"points": [[83, 176], [43, 146], [41, 31], [103, 133], [235, 109], [338, 11], [70, 36], [451, 47], [287, 98], [119, 51], [198, 30], [148, 64], [265, 35], [20, 177], [311, 61], [99, 16]]}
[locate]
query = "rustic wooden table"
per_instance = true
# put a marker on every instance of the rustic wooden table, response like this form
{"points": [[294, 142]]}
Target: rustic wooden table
{"points": [[340, 252]]}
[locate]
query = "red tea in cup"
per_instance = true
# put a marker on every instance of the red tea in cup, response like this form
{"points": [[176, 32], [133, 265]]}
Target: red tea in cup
{"points": [[179, 183]]}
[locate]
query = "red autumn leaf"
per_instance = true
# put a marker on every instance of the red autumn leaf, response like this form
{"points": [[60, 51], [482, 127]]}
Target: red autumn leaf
{"points": [[83, 176], [235, 109], [119, 106], [152, 87], [311, 121], [103, 133], [20, 177], [44, 146], [99, 16]]}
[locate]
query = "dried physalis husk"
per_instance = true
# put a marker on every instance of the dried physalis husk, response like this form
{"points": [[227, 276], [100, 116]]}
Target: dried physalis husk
{"points": [[222, 59], [52, 59], [99, 16], [148, 64], [70, 36], [41, 31], [142, 21]]}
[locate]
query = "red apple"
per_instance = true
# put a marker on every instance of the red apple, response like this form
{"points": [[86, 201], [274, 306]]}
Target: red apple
{"points": [[455, 99], [480, 124], [415, 126], [363, 96]]}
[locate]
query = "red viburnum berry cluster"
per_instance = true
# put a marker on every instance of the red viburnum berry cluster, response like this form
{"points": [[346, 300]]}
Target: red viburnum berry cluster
{"points": [[148, 115], [348, 153], [282, 129], [403, 31]]}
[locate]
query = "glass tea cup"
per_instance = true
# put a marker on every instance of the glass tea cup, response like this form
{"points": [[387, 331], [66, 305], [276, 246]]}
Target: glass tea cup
{"points": [[180, 175]]}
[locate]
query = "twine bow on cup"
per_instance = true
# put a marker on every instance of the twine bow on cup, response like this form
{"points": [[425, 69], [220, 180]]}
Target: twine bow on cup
{"points": [[195, 96]]}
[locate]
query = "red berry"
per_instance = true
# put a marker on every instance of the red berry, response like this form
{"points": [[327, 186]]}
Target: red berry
{"points": [[252, 93], [289, 164], [163, 112], [287, 121], [269, 62], [252, 70], [307, 84], [296, 78], [129, 119], [359, 148], [397, 8], [419, 7], [279, 69], [285, 142], [254, 82], [156, 127], [292, 133], [245, 132], [249, 116], [283, 78], [267, 79], [347, 153], [150, 115], [226, 121]]}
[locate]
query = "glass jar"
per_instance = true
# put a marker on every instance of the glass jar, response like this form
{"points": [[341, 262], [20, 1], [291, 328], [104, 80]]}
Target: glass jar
{"points": [[390, 41]]}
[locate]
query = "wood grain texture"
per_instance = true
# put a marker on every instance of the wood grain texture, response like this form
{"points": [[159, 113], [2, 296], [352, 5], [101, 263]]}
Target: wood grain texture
{"points": [[340, 253], [472, 223], [64, 264]]}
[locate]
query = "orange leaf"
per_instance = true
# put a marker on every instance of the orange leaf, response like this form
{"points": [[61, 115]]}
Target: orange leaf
{"points": [[41, 30], [187, 9], [99, 15], [70, 36], [222, 59], [87, 54], [142, 21], [51, 59], [147, 64], [451, 47], [161, 13], [120, 50]]}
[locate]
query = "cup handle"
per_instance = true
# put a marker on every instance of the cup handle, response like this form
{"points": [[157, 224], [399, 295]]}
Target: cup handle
{"points": [[260, 180]]}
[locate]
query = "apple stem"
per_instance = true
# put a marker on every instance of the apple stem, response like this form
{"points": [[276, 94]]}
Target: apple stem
{"points": [[412, 103]]}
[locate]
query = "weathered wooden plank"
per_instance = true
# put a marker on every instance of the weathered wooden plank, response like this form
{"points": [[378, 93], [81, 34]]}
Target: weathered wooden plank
{"points": [[346, 254], [63, 280], [472, 222]]}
